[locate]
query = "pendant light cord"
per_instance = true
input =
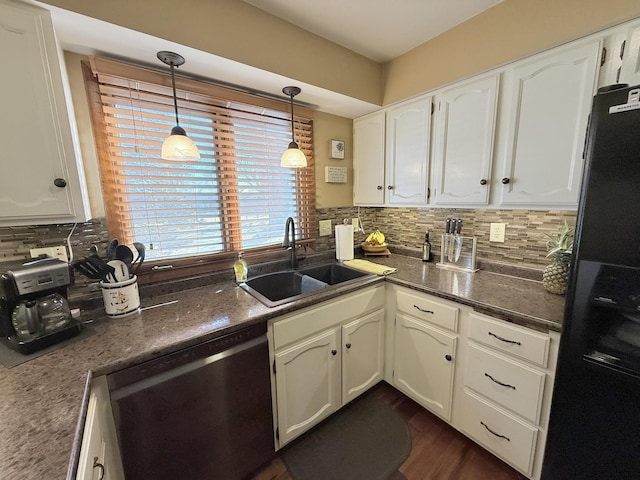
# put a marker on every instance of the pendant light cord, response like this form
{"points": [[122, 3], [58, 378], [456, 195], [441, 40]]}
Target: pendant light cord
{"points": [[293, 137], [175, 98]]}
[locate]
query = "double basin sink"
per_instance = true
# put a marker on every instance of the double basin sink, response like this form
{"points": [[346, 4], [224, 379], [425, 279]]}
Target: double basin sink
{"points": [[282, 287]]}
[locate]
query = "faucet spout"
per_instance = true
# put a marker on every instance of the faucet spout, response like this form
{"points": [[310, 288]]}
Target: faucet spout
{"points": [[290, 241]]}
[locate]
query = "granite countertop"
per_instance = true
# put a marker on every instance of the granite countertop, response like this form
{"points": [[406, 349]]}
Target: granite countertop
{"points": [[42, 402]]}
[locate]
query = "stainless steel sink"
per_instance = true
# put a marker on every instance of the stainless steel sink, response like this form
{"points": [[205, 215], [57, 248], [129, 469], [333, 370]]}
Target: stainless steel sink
{"points": [[277, 288]]}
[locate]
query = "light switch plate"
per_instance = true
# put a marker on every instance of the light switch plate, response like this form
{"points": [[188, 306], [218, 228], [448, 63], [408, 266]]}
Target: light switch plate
{"points": [[355, 223], [325, 227], [496, 232]]}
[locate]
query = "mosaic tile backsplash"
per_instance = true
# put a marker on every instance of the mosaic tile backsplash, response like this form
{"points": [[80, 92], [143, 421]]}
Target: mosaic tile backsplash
{"points": [[525, 239], [524, 246]]}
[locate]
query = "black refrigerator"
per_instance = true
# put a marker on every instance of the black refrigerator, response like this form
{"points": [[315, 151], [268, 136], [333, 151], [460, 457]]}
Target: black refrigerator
{"points": [[594, 430]]}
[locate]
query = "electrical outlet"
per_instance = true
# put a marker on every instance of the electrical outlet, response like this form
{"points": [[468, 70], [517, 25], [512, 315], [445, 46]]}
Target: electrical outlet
{"points": [[54, 252], [356, 224], [324, 227], [496, 232]]}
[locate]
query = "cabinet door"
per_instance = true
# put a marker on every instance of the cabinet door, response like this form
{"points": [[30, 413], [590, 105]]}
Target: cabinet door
{"points": [[424, 364], [368, 160], [307, 383], [41, 180], [93, 444], [550, 104], [463, 150], [362, 354], [630, 69], [408, 134]]}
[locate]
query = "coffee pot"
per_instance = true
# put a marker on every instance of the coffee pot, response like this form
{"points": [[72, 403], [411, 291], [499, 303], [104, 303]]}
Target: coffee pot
{"points": [[32, 318]]}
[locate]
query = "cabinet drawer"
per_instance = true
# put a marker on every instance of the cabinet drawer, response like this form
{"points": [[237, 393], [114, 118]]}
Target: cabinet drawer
{"points": [[514, 340], [511, 384], [507, 437], [326, 315], [425, 308]]}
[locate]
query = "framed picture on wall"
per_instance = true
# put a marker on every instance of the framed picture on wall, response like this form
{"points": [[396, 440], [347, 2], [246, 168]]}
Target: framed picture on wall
{"points": [[337, 149]]}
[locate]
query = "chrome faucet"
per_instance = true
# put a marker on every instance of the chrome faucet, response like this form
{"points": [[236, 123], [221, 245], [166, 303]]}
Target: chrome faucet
{"points": [[290, 243]]}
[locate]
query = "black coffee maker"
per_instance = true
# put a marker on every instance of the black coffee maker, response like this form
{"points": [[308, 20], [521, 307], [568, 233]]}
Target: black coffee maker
{"points": [[34, 312]]}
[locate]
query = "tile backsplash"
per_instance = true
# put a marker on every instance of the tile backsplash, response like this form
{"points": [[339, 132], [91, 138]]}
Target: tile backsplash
{"points": [[525, 238], [525, 241]]}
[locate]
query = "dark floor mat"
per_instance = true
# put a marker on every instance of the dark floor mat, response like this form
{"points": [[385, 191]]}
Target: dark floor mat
{"points": [[366, 440]]}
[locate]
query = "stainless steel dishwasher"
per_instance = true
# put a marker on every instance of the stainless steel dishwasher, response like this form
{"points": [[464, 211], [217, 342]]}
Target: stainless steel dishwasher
{"points": [[202, 413]]}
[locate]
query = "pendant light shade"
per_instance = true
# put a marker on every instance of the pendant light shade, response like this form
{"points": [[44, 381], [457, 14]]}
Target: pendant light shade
{"points": [[293, 157], [177, 146]]}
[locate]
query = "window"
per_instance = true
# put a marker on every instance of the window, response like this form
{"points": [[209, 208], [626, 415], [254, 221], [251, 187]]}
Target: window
{"points": [[235, 198]]}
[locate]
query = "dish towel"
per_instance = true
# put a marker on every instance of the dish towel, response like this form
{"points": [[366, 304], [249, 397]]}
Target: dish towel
{"points": [[370, 267]]}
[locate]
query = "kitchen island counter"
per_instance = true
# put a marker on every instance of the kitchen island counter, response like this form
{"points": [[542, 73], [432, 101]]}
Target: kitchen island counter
{"points": [[43, 401]]}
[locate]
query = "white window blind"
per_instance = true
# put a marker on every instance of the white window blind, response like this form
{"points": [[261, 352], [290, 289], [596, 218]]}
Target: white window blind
{"points": [[236, 197]]}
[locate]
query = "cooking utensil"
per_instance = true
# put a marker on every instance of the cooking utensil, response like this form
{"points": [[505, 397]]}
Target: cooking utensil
{"points": [[451, 242], [458, 240], [445, 242], [95, 268], [111, 248], [140, 248], [121, 271], [106, 272], [124, 253]]}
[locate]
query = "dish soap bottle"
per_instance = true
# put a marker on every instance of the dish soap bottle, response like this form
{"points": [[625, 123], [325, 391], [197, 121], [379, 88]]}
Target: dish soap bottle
{"points": [[426, 248], [240, 269]]}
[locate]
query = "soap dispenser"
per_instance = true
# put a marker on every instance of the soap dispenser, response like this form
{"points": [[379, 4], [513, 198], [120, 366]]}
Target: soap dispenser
{"points": [[426, 248], [240, 269]]}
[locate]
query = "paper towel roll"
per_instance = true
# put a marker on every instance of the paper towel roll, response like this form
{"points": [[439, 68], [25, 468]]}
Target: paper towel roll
{"points": [[344, 242]]}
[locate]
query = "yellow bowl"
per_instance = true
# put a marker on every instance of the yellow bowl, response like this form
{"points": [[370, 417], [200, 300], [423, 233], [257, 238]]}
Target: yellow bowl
{"points": [[374, 248]]}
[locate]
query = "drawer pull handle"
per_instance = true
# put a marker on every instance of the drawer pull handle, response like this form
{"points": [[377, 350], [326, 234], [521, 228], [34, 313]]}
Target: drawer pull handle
{"points": [[498, 382], [334, 352], [99, 466], [423, 310], [494, 433], [504, 339], [348, 345]]}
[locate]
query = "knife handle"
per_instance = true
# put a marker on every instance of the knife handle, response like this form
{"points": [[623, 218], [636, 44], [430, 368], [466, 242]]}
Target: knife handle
{"points": [[458, 226], [447, 226]]}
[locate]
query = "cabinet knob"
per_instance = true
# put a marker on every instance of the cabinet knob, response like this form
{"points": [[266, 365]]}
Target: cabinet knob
{"points": [[348, 345], [334, 352], [379, 187], [100, 468], [390, 187], [506, 180], [60, 182], [483, 181], [447, 358]]}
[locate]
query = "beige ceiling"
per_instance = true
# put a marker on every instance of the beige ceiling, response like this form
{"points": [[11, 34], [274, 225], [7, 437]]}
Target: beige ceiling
{"points": [[378, 29]]}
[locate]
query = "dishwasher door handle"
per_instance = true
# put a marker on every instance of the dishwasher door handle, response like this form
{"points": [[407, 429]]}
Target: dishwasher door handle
{"points": [[159, 378]]}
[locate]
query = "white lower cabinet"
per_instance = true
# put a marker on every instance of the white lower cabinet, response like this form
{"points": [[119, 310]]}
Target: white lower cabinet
{"points": [[505, 435], [324, 357], [489, 378], [424, 363], [99, 455], [504, 396]]}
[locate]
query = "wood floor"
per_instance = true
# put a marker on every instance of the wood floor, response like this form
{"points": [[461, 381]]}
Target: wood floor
{"points": [[438, 452]]}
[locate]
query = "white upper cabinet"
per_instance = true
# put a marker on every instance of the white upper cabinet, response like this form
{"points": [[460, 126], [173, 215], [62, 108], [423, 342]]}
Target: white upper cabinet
{"points": [[630, 69], [368, 160], [42, 180], [549, 106], [463, 149], [407, 152]]}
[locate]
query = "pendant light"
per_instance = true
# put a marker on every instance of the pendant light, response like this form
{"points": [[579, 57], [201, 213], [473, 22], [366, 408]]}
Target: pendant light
{"points": [[293, 157], [177, 146]]}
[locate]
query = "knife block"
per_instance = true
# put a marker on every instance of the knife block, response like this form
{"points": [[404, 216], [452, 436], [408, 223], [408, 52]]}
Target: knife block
{"points": [[458, 253]]}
